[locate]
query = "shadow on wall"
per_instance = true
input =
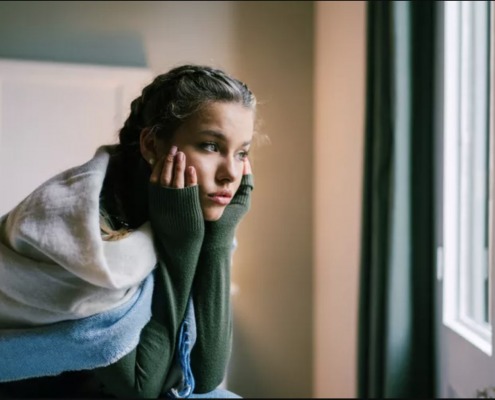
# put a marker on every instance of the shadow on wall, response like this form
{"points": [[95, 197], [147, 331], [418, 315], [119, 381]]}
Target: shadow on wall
{"points": [[116, 49], [244, 374], [272, 355]]}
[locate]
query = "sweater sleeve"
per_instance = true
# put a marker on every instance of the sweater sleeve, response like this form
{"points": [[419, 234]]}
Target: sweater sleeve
{"points": [[178, 228], [211, 294]]}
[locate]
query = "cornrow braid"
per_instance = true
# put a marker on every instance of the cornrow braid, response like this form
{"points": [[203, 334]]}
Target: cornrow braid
{"points": [[133, 123], [172, 97]]}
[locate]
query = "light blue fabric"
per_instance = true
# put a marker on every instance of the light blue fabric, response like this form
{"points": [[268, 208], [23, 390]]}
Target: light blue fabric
{"points": [[216, 394], [186, 340], [87, 343]]}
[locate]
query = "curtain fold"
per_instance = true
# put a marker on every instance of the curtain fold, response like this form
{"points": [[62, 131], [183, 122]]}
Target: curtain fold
{"points": [[396, 316]]}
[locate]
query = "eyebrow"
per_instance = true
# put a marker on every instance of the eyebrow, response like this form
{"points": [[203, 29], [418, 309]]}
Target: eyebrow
{"points": [[221, 136]]}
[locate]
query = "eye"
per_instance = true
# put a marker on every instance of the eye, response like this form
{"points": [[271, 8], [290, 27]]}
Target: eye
{"points": [[242, 155], [209, 146]]}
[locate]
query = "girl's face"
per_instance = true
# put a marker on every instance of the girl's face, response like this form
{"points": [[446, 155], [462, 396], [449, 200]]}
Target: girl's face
{"points": [[216, 142]]}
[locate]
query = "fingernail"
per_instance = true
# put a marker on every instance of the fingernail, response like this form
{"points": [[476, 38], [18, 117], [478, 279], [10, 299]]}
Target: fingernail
{"points": [[173, 150], [180, 156]]}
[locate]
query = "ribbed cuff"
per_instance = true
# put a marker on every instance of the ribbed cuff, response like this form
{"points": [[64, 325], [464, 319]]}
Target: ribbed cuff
{"points": [[248, 180], [176, 210], [243, 194]]}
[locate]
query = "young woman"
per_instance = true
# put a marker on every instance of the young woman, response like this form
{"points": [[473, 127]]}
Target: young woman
{"points": [[115, 275]]}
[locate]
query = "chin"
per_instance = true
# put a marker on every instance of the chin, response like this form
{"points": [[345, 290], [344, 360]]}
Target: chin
{"points": [[212, 215]]}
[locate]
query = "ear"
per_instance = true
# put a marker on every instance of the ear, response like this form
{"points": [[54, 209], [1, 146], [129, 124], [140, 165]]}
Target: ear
{"points": [[147, 145]]}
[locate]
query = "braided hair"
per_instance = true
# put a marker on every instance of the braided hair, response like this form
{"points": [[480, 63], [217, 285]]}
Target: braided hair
{"points": [[174, 96], [162, 106]]}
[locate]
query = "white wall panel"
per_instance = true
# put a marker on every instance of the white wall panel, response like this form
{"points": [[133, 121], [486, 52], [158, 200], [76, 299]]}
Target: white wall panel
{"points": [[54, 116]]}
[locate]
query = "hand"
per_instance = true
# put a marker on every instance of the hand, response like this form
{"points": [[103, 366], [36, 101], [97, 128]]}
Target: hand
{"points": [[171, 171], [247, 167], [175, 213], [242, 196]]}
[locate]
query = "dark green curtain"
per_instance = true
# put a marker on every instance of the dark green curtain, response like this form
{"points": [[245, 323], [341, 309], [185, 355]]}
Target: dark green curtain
{"points": [[396, 355]]}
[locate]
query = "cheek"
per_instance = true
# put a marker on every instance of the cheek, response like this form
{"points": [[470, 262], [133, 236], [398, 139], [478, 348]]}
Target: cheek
{"points": [[201, 166], [237, 183]]}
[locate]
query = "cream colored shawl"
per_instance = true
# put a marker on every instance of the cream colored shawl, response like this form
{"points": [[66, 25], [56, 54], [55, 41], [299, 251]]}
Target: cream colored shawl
{"points": [[54, 265]]}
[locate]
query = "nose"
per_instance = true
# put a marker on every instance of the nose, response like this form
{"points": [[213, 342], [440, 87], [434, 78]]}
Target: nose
{"points": [[228, 170]]}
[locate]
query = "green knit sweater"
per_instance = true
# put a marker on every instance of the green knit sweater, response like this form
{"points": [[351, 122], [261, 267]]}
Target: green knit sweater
{"points": [[193, 257]]}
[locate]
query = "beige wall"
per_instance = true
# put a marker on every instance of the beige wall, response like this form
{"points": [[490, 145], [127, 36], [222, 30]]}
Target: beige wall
{"points": [[300, 243], [338, 148], [270, 46]]}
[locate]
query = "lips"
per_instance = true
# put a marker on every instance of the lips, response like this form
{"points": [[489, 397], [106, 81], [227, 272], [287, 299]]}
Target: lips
{"points": [[221, 197]]}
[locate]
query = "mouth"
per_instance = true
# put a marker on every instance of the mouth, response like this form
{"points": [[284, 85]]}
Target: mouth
{"points": [[222, 197]]}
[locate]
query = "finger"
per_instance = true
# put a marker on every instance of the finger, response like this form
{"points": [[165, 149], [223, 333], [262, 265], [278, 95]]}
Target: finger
{"points": [[168, 168], [179, 170], [191, 177], [247, 167], [156, 170]]}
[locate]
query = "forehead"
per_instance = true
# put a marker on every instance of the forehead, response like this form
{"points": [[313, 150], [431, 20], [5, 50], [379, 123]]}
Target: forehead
{"points": [[234, 121]]}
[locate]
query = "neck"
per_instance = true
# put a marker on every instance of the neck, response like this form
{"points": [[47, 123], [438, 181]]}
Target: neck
{"points": [[126, 189]]}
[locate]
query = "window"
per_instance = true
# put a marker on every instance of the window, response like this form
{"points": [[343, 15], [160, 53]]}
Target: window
{"points": [[467, 172]]}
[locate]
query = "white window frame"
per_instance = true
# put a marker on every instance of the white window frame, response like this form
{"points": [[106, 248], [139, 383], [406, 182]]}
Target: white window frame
{"points": [[456, 114]]}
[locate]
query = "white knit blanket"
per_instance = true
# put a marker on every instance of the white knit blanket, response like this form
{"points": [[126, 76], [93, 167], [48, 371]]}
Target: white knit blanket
{"points": [[54, 265]]}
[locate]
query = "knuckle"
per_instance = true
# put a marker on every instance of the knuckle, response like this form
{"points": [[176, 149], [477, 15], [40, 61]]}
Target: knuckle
{"points": [[164, 181]]}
